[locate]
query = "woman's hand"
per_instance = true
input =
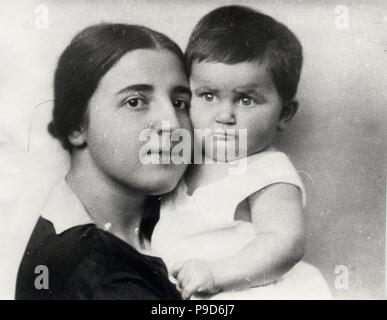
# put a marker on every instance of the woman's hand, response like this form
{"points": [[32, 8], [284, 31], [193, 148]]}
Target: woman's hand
{"points": [[194, 276]]}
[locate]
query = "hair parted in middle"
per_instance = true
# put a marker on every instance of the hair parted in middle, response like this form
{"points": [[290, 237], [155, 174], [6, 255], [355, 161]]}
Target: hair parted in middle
{"points": [[89, 56]]}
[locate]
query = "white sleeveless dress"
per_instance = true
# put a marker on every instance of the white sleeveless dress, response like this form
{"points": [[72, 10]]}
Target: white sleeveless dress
{"points": [[202, 226]]}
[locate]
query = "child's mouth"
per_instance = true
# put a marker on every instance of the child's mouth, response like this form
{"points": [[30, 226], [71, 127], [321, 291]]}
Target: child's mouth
{"points": [[224, 136]]}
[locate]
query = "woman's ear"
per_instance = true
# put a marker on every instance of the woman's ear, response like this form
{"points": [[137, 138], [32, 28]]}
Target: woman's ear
{"points": [[78, 138], [288, 111]]}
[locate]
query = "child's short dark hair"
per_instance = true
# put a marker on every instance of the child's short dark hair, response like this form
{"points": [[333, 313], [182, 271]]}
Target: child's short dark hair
{"points": [[234, 34]]}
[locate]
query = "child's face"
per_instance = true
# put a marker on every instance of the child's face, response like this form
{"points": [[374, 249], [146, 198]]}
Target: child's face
{"points": [[239, 96]]}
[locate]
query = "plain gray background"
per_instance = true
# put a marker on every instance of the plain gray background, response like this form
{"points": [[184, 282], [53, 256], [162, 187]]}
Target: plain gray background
{"points": [[336, 140]]}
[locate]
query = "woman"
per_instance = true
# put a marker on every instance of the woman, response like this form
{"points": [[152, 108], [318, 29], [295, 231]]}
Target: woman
{"points": [[112, 83]]}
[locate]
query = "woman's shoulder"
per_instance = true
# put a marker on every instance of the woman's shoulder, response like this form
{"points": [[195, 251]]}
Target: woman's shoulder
{"points": [[115, 270], [85, 262]]}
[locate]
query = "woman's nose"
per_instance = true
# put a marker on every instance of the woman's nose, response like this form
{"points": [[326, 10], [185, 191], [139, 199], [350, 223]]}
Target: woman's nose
{"points": [[226, 115], [167, 119]]}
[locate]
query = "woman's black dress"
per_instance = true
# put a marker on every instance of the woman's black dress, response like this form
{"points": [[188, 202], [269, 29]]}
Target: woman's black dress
{"points": [[85, 262]]}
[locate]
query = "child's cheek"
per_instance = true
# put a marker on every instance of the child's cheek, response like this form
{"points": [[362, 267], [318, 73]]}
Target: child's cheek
{"points": [[199, 117]]}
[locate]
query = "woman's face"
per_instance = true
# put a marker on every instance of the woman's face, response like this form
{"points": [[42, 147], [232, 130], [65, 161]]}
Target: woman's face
{"points": [[143, 89]]}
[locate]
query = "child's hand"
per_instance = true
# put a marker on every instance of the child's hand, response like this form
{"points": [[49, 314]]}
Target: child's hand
{"points": [[194, 276]]}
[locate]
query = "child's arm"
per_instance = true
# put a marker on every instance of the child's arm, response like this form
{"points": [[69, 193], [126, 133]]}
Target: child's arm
{"points": [[277, 216]]}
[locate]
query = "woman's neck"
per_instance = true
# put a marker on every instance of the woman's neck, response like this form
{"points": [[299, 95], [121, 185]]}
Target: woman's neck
{"points": [[113, 206]]}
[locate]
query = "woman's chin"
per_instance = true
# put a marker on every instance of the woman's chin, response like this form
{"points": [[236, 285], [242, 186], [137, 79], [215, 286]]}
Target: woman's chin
{"points": [[161, 187], [163, 181]]}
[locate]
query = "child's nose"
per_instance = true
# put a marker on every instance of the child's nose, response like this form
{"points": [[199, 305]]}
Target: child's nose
{"points": [[226, 115]]}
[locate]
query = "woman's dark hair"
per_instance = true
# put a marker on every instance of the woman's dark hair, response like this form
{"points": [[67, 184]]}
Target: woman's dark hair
{"points": [[89, 56], [234, 34]]}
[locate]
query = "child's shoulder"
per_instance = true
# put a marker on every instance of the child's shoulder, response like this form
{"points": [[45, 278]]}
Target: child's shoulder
{"points": [[273, 167], [269, 162]]}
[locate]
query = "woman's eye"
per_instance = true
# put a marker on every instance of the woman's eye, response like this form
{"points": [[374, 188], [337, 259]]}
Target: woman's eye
{"points": [[208, 97], [180, 104], [134, 103]]}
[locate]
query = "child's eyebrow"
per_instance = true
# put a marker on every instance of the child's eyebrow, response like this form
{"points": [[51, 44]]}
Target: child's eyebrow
{"points": [[254, 88], [205, 88]]}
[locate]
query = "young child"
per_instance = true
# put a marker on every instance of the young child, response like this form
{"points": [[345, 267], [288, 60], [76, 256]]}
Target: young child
{"points": [[240, 236]]}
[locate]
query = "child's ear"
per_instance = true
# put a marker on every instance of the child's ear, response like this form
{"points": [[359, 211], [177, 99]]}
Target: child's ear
{"points": [[78, 138], [288, 111]]}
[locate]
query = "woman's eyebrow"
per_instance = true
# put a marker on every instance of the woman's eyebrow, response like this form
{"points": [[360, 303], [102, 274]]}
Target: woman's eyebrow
{"points": [[136, 87]]}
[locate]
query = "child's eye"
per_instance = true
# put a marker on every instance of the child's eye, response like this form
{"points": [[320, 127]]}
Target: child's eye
{"points": [[246, 101], [208, 97], [180, 104]]}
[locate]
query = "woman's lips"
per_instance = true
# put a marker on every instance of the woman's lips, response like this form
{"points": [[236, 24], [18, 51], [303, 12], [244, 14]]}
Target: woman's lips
{"points": [[162, 152]]}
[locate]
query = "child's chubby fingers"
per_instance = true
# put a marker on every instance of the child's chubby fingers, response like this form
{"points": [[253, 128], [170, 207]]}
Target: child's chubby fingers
{"points": [[184, 279], [180, 283], [176, 268], [189, 290], [180, 276], [186, 294]]}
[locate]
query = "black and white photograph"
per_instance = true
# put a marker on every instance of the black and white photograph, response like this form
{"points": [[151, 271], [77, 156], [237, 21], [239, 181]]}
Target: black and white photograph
{"points": [[193, 150]]}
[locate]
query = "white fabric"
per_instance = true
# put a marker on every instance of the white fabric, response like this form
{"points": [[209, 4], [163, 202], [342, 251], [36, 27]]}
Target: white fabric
{"points": [[64, 209], [202, 226]]}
